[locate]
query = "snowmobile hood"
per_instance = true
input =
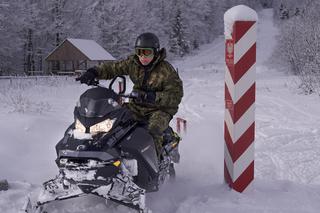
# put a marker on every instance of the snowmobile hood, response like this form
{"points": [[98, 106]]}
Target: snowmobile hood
{"points": [[98, 102]]}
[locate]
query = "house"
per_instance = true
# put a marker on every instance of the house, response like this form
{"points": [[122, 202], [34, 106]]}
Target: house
{"points": [[74, 55]]}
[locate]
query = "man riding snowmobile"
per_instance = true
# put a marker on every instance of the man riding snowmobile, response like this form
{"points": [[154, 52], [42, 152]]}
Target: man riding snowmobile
{"points": [[157, 86], [119, 151]]}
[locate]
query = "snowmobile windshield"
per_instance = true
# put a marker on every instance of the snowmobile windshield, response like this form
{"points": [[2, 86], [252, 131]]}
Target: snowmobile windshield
{"points": [[98, 102]]}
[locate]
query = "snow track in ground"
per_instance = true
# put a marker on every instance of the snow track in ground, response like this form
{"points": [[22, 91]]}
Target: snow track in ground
{"points": [[287, 138]]}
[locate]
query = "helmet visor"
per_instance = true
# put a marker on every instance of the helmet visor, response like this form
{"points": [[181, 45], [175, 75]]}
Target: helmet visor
{"points": [[147, 52]]}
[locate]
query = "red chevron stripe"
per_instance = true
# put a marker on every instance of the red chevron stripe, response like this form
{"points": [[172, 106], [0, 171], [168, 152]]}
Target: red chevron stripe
{"points": [[227, 97], [228, 141], [227, 176], [244, 64], [243, 103], [238, 109], [241, 145], [240, 28], [245, 178], [231, 70], [243, 142], [247, 99]]}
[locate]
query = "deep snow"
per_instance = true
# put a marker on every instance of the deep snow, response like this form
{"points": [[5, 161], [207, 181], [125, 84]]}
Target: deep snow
{"points": [[237, 13], [287, 165]]}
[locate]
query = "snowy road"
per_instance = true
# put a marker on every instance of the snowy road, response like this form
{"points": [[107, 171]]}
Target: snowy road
{"points": [[287, 165]]}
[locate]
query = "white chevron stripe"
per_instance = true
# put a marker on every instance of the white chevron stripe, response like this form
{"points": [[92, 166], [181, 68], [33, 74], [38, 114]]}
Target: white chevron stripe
{"points": [[229, 123], [230, 83], [237, 168], [228, 160], [245, 82], [244, 161], [237, 90], [236, 130], [244, 44]]}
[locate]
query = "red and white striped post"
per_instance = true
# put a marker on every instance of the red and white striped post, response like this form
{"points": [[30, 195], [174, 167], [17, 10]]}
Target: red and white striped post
{"points": [[184, 122], [240, 87]]}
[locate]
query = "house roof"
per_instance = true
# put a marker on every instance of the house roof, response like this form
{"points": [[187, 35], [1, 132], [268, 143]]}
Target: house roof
{"points": [[79, 49]]}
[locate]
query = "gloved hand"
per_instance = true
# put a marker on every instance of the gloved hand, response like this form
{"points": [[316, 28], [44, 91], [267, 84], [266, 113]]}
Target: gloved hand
{"points": [[144, 97], [89, 76]]}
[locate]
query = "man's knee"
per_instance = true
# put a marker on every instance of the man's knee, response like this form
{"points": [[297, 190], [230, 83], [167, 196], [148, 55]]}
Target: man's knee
{"points": [[158, 122]]}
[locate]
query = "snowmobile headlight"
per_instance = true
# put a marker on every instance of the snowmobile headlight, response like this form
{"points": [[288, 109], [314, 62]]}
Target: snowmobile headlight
{"points": [[63, 161], [104, 126], [79, 126]]}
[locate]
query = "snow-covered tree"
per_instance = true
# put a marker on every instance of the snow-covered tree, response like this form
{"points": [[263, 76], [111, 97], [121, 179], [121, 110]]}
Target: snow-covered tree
{"points": [[178, 43], [112, 29], [266, 3], [210, 19], [11, 36], [181, 25], [300, 45], [5, 41], [30, 25], [58, 21]]}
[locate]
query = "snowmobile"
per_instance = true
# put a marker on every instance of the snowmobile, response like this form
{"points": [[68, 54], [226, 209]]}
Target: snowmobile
{"points": [[105, 152]]}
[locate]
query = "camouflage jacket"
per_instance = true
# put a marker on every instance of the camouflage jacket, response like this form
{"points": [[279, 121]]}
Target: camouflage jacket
{"points": [[159, 77]]}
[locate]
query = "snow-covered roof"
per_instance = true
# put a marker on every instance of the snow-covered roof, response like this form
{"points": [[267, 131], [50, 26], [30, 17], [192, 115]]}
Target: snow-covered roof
{"points": [[237, 13], [71, 48], [91, 49]]}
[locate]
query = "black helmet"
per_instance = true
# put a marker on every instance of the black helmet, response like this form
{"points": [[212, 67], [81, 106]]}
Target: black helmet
{"points": [[148, 40]]}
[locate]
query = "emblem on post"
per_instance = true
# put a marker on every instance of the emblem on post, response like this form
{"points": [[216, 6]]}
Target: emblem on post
{"points": [[229, 52]]}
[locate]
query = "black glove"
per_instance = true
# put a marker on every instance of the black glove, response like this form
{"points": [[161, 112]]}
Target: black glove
{"points": [[144, 97], [89, 76], [150, 97]]}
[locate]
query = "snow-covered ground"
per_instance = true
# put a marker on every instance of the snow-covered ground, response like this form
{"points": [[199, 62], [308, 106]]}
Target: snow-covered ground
{"points": [[287, 165]]}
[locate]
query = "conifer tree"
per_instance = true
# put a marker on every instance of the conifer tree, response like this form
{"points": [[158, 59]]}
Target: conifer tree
{"points": [[178, 45]]}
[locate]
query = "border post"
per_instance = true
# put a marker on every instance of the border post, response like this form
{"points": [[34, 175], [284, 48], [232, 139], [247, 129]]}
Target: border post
{"points": [[240, 88], [183, 122]]}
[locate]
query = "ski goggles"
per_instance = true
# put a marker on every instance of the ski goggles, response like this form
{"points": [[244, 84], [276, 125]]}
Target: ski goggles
{"points": [[147, 52]]}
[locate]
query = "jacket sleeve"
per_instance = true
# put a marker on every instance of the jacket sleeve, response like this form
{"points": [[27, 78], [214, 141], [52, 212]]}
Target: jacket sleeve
{"points": [[109, 70], [172, 93]]}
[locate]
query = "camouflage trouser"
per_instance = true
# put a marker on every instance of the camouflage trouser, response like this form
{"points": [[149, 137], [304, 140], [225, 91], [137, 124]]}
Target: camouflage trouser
{"points": [[156, 123]]}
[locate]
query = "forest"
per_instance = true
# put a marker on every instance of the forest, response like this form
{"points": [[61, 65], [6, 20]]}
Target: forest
{"points": [[31, 29]]}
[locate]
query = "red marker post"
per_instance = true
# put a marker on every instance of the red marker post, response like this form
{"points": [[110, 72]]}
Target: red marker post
{"points": [[240, 88], [183, 122]]}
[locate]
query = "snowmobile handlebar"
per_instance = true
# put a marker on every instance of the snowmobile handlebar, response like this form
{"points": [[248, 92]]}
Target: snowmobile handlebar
{"points": [[132, 95], [123, 88], [96, 83]]}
